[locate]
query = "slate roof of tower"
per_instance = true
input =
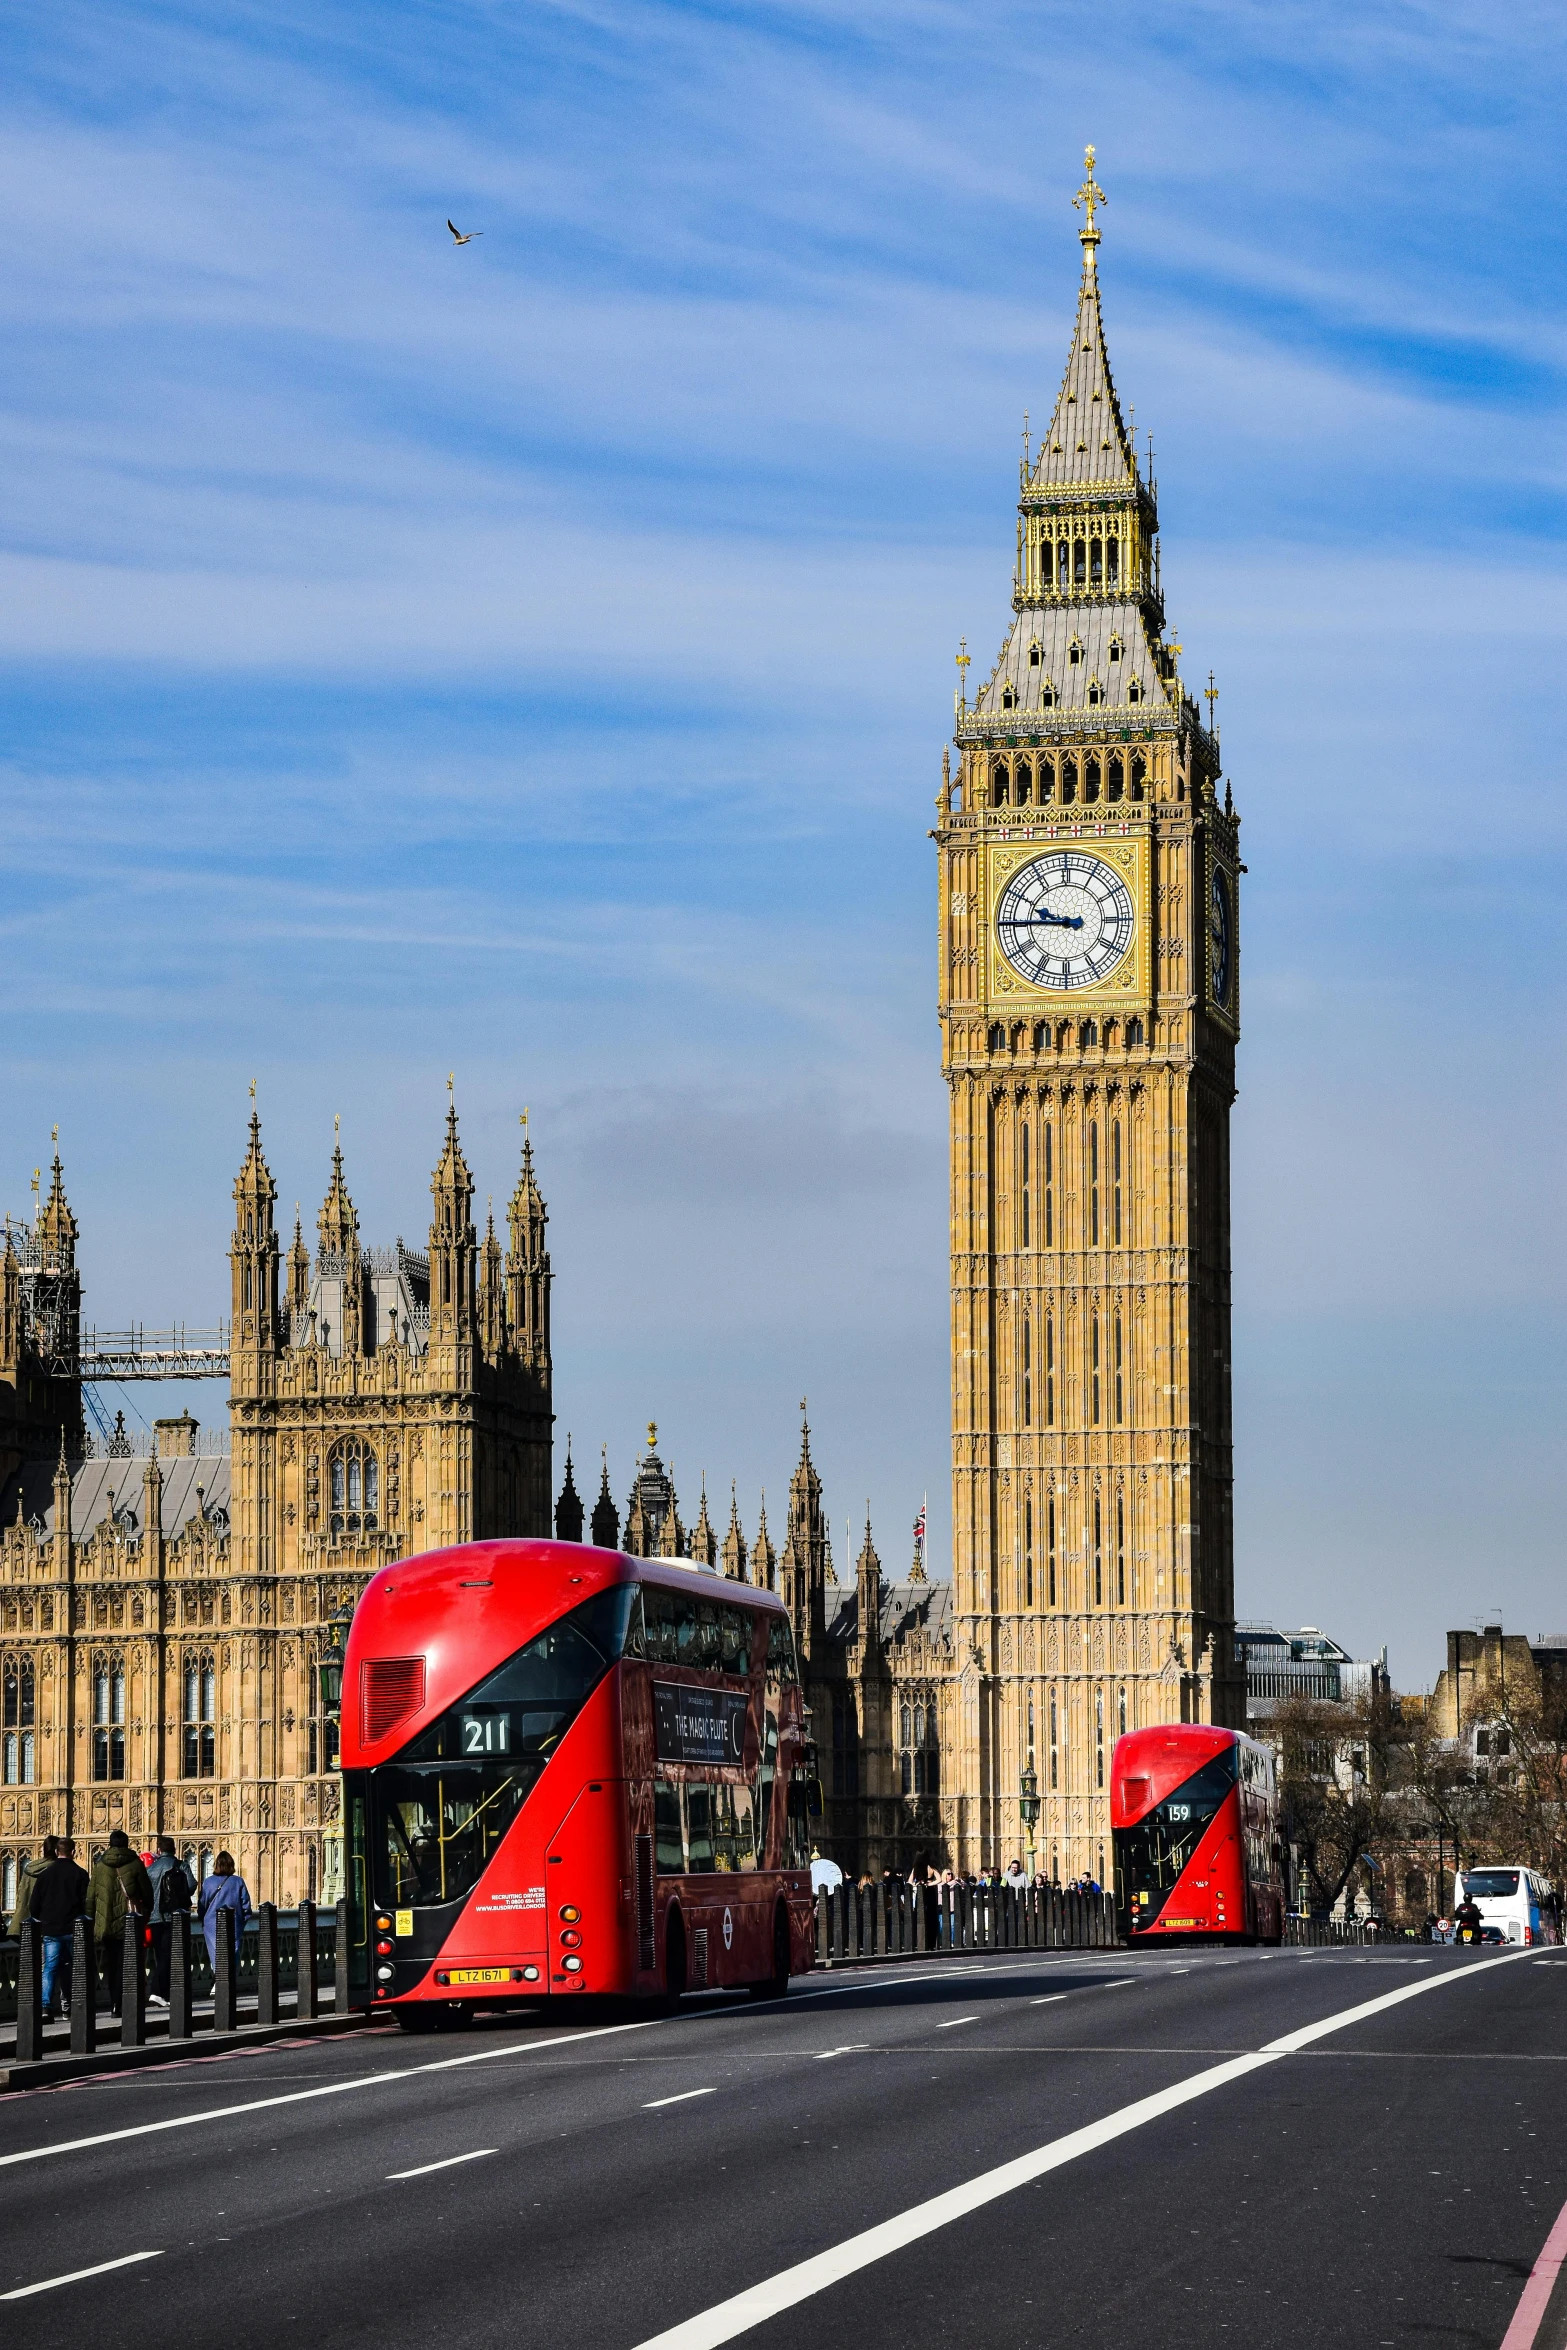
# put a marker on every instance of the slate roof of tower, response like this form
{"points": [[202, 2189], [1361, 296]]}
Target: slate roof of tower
{"points": [[116, 1482], [1088, 445], [905, 1608]]}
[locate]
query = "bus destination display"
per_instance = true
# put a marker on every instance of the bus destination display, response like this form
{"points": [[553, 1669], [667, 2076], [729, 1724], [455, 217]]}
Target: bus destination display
{"points": [[699, 1725]]}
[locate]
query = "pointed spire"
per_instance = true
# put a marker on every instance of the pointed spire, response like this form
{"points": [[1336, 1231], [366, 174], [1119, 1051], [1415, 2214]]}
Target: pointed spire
{"points": [[568, 1509], [1088, 441], [454, 1244], [253, 1255], [764, 1559], [734, 1552], [337, 1224], [606, 1518], [56, 1225], [298, 1282], [528, 1264], [704, 1542]]}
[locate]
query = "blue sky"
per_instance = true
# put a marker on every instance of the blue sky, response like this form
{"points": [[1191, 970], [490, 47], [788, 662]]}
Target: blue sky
{"points": [[534, 661]]}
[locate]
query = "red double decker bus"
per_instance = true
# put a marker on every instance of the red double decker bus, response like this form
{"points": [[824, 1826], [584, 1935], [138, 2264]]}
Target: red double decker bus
{"points": [[1194, 1824], [568, 1771]]}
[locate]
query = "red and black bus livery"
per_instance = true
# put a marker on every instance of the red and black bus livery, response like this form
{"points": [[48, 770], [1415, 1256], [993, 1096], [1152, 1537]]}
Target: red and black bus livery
{"points": [[1193, 1817], [570, 1771]]}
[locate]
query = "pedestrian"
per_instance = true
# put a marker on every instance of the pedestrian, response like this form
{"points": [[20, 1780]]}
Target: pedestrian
{"points": [[119, 1889], [225, 1889], [32, 1870], [59, 1899], [172, 1895], [1016, 1876]]}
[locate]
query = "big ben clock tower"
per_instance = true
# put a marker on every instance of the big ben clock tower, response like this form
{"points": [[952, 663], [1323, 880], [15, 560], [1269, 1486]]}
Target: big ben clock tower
{"points": [[1090, 988]]}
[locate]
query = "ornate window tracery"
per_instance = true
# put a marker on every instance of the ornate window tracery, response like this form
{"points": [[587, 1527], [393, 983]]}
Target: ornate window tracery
{"points": [[199, 1732], [108, 1713], [354, 1475]]}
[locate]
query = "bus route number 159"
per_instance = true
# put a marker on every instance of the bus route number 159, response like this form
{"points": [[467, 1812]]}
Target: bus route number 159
{"points": [[485, 1733]]}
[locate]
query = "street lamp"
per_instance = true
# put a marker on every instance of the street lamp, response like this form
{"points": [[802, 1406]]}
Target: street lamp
{"points": [[1028, 1805]]}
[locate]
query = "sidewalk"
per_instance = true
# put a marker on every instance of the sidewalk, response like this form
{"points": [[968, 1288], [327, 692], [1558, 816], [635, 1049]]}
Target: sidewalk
{"points": [[58, 2064]]}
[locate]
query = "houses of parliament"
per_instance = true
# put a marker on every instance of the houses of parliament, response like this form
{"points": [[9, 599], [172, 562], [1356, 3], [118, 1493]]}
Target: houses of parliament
{"points": [[162, 1617]]}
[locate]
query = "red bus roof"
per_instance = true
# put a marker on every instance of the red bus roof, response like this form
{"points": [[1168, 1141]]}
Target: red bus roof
{"points": [[454, 1615], [1148, 1765]]}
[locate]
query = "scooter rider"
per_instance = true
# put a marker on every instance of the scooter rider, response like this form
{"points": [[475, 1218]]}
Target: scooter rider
{"points": [[1468, 1924]]}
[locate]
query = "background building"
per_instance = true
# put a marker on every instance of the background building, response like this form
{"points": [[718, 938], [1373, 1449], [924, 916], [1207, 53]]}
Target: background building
{"points": [[163, 1618]]}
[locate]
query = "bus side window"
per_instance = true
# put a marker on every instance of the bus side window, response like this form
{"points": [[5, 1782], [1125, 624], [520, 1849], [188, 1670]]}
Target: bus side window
{"points": [[670, 1849], [734, 1837], [734, 1640], [797, 1849], [636, 1635], [699, 1828], [780, 1650]]}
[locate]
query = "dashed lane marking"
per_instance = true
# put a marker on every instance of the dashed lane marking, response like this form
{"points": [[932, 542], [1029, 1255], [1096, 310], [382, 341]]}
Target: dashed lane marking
{"points": [[953, 2022], [450, 2163], [74, 2276], [680, 2098]]}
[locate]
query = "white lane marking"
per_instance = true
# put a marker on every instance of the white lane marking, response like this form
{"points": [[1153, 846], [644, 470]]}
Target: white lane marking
{"points": [[654, 2103], [450, 2163], [223, 2113], [851, 2048], [1048, 2000], [1119, 1984], [790, 2286], [74, 2276], [953, 2022]]}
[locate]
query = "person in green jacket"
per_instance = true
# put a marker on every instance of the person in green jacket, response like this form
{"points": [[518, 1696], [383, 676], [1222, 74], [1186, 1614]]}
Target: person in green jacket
{"points": [[32, 1870], [119, 1885]]}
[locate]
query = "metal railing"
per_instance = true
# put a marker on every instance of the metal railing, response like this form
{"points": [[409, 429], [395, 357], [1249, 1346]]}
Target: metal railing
{"points": [[906, 1920], [247, 1974]]}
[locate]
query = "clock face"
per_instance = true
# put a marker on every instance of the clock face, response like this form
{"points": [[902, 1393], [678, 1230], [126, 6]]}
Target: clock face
{"points": [[1066, 920], [1221, 929]]}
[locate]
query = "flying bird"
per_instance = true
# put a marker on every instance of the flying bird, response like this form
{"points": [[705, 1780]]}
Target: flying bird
{"points": [[457, 236]]}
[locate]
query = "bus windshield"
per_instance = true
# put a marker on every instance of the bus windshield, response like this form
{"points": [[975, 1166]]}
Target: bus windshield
{"points": [[447, 1800], [1490, 1884], [1154, 1852]]}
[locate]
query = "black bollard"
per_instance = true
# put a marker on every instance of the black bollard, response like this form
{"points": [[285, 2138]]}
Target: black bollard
{"points": [[133, 1984], [84, 1989], [181, 2020], [305, 2002], [340, 1963], [266, 1963], [29, 1994], [223, 1973]]}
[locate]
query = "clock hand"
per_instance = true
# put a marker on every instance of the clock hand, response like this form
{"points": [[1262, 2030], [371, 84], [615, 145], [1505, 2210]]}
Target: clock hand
{"points": [[1061, 921]]}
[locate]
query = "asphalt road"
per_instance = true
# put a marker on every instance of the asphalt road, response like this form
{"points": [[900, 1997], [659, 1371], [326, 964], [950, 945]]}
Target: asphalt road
{"points": [[1023, 2149]]}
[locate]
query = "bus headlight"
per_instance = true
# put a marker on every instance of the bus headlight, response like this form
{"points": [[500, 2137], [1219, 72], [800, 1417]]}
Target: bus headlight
{"points": [[530, 1974], [573, 1966], [383, 1974]]}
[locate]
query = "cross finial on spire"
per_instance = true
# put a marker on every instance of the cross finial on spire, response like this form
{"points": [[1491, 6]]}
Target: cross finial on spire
{"points": [[451, 1083], [337, 1125], [1089, 195], [1210, 694], [253, 1089]]}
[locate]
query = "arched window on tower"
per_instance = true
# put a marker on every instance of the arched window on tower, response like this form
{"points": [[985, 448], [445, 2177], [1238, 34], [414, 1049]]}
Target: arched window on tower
{"points": [[1093, 1371], [1050, 1369], [1050, 1548], [1000, 785], [1096, 562], [199, 1727], [996, 1038], [1139, 774], [1099, 1743], [1047, 1181], [1028, 1550], [1120, 1573], [355, 1487], [1099, 1551], [108, 1713], [1093, 1178], [1028, 1373], [1024, 780], [1112, 562], [1047, 781], [1134, 1032], [1117, 776], [1120, 1377], [1025, 1219], [1055, 1745], [1068, 782], [1080, 563], [1091, 777], [20, 1755]]}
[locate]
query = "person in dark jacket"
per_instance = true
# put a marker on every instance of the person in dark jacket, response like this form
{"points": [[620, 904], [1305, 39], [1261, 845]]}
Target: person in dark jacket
{"points": [[32, 1870], [59, 1899], [224, 1889], [119, 1886], [172, 1894]]}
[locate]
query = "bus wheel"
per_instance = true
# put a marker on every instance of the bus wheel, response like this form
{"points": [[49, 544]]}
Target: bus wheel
{"points": [[674, 1955], [424, 2018], [776, 1985]]}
